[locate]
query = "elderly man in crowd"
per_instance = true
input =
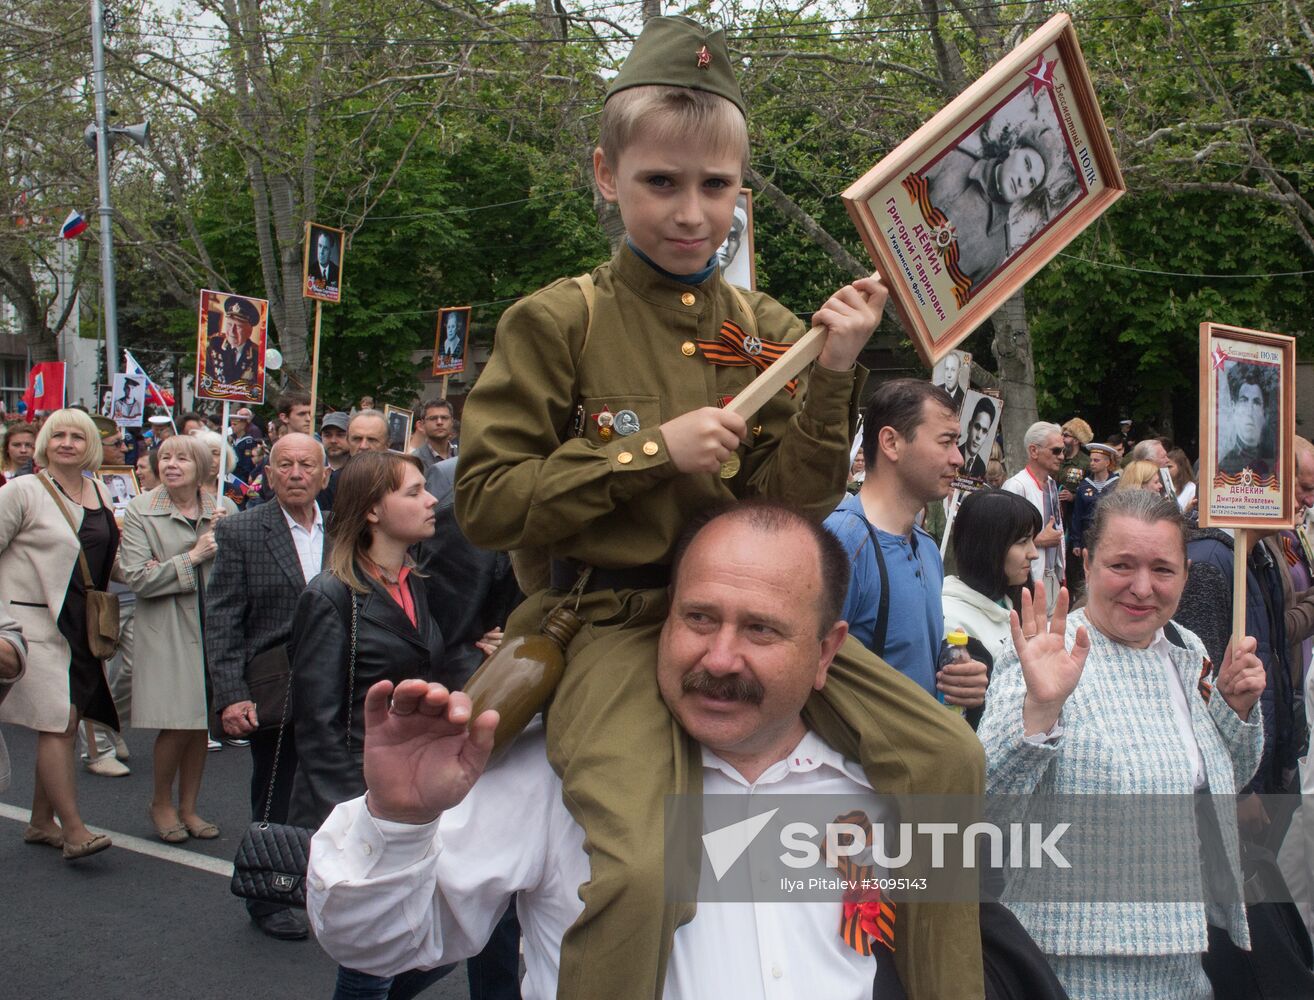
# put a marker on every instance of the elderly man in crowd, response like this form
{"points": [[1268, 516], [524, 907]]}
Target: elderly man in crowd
{"points": [[265, 558], [1150, 450], [1035, 483], [368, 431], [418, 870]]}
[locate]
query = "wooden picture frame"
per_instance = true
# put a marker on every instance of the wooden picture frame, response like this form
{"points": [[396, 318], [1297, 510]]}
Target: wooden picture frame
{"points": [[445, 362], [121, 482], [965, 211], [314, 283], [224, 372], [399, 423], [1247, 428], [738, 254]]}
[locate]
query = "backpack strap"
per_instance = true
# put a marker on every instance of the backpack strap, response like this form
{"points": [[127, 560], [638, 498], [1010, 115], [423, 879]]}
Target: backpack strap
{"points": [[883, 606], [743, 304], [586, 288]]}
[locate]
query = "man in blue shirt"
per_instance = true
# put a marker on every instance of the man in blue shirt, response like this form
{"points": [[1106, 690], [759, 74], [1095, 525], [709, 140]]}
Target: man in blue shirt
{"points": [[910, 444]]}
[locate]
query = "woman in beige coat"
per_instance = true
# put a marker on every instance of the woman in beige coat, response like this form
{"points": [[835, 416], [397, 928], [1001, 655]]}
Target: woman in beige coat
{"points": [[42, 584], [168, 545]]}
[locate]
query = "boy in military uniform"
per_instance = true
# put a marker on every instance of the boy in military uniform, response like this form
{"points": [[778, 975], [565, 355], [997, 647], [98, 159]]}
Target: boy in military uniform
{"points": [[597, 432]]}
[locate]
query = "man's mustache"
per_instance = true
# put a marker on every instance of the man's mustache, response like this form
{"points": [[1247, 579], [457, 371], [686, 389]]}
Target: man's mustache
{"points": [[735, 687]]}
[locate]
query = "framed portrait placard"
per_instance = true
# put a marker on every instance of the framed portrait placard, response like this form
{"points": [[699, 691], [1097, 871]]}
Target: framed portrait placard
{"points": [[737, 255], [121, 481], [961, 214], [1247, 428], [978, 426], [953, 374], [230, 347], [399, 423], [451, 340], [321, 267]]}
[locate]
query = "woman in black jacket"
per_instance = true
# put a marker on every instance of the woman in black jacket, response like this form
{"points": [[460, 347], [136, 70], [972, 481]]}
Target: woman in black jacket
{"points": [[367, 590]]}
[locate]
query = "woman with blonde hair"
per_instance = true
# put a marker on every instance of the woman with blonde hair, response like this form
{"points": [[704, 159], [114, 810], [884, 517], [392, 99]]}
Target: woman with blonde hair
{"points": [[168, 548], [363, 620], [49, 523], [1140, 476]]}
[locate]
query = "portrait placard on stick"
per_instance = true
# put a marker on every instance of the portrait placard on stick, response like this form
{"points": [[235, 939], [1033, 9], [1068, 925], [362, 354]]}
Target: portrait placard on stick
{"points": [[953, 374], [1247, 428], [978, 421], [451, 340], [129, 400], [322, 264], [965, 211], [737, 255], [230, 347], [399, 423], [121, 481]]}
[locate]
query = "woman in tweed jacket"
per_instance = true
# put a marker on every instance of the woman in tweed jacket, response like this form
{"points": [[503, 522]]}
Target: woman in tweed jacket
{"points": [[1106, 701]]}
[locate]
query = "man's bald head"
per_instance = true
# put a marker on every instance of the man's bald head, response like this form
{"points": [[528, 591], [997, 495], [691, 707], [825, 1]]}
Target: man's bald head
{"points": [[296, 440]]}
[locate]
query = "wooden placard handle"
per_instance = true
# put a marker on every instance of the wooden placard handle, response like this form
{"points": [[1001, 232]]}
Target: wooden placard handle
{"points": [[1240, 559], [800, 354]]}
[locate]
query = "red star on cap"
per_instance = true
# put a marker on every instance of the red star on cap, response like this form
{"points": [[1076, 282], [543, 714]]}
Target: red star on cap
{"points": [[704, 58], [1041, 75]]}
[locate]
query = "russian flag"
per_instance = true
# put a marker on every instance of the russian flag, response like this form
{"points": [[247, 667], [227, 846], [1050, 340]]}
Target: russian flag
{"points": [[74, 225], [154, 394]]}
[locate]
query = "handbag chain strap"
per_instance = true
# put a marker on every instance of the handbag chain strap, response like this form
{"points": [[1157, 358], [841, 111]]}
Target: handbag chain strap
{"points": [[287, 701], [82, 555]]}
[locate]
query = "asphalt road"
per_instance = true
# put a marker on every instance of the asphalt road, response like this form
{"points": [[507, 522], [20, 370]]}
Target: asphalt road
{"points": [[130, 925]]}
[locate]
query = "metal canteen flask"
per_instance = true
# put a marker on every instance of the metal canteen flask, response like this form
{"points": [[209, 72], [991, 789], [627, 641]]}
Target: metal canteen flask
{"points": [[519, 678]]}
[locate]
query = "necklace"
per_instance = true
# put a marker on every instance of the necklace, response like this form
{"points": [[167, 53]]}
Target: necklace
{"points": [[60, 486]]}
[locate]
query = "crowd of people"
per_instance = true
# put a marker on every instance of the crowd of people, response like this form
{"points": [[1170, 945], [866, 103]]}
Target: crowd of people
{"points": [[745, 627]]}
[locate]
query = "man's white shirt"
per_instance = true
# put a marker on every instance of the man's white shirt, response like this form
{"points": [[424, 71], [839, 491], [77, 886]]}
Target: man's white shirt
{"points": [[386, 897], [309, 543]]}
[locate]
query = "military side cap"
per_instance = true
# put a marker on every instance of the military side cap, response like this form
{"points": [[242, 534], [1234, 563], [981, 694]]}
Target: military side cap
{"points": [[239, 308], [677, 51], [105, 425]]}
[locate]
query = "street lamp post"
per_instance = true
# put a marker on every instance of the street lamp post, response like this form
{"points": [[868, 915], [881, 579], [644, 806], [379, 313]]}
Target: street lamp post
{"points": [[109, 299]]}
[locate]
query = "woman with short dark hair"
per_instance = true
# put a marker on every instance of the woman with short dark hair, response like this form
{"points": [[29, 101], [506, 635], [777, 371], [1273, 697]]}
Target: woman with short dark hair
{"points": [[994, 545], [363, 620]]}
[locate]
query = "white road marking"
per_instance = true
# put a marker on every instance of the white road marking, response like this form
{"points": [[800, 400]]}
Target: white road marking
{"points": [[162, 851]]}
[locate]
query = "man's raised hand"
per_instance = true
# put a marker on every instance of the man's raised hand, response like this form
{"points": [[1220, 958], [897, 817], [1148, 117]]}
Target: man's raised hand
{"points": [[422, 752], [1050, 669]]}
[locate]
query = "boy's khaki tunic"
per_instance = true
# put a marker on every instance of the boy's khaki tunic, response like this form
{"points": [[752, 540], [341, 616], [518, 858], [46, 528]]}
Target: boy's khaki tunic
{"points": [[526, 480]]}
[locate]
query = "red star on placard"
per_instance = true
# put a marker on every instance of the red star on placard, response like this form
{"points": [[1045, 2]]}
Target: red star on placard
{"points": [[1041, 75], [1219, 357]]}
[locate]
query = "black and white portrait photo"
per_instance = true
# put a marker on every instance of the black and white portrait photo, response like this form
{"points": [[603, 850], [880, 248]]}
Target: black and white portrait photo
{"points": [[450, 340], [323, 262], [953, 374], [735, 255], [399, 427], [1003, 182], [979, 424], [121, 482], [128, 400], [1247, 425]]}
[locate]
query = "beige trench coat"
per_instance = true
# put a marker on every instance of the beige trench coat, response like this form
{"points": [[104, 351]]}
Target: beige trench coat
{"points": [[38, 551], [168, 679]]}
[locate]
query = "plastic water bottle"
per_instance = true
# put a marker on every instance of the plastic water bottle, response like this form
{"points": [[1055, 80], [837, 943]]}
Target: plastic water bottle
{"points": [[952, 650]]}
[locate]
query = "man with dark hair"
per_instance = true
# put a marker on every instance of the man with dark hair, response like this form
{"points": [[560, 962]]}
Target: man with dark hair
{"points": [[438, 422], [190, 421], [1254, 447], [910, 443], [294, 412]]}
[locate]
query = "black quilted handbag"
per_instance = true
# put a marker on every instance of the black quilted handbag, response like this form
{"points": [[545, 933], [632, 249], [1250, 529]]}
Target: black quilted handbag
{"points": [[272, 858], [271, 863]]}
